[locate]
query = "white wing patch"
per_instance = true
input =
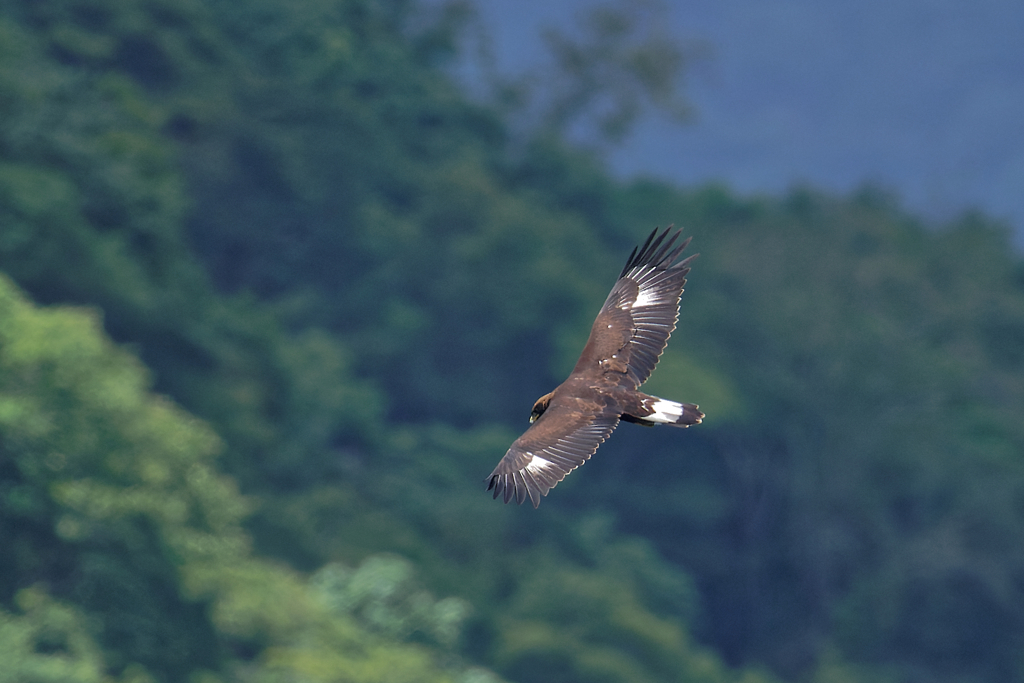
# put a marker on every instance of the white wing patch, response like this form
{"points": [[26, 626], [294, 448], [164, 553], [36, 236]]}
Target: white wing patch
{"points": [[646, 297], [538, 465]]}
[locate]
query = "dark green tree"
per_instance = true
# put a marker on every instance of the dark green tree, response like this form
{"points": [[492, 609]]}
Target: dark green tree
{"points": [[361, 280]]}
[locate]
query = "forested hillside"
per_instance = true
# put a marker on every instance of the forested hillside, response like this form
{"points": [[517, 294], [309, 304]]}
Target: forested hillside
{"points": [[278, 296]]}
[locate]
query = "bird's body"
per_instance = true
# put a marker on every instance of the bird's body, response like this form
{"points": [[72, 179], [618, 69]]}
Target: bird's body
{"points": [[625, 342]]}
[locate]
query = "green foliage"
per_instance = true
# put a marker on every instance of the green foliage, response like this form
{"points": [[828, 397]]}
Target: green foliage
{"points": [[110, 497], [591, 622], [93, 207], [360, 281], [101, 481], [623, 60], [382, 594], [48, 641], [863, 344]]}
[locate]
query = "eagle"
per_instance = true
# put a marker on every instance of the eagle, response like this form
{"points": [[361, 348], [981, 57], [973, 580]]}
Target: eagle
{"points": [[626, 341]]}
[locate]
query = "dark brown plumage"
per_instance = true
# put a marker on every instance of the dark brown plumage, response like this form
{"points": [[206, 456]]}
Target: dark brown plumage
{"points": [[625, 343]]}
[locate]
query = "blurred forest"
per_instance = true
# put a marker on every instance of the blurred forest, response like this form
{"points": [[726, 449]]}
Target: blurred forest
{"points": [[278, 295]]}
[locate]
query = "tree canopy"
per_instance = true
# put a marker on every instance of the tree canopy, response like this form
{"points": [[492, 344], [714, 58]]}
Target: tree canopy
{"points": [[279, 294]]}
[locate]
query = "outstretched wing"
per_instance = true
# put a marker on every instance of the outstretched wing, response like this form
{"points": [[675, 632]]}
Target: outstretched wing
{"points": [[633, 327], [562, 439]]}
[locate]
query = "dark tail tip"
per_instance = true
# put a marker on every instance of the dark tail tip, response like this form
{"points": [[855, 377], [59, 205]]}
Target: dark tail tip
{"points": [[691, 415]]}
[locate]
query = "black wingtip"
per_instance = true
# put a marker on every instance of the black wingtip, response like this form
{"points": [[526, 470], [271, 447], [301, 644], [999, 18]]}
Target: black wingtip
{"points": [[516, 486], [657, 251]]}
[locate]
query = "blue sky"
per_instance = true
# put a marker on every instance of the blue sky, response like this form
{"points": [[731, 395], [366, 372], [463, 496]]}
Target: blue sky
{"points": [[922, 97]]}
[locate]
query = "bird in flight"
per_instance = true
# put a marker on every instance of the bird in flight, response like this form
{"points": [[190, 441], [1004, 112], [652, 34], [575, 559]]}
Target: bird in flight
{"points": [[625, 343]]}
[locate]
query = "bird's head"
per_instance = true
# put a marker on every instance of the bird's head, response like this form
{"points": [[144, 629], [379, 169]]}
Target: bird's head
{"points": [[539, 407]]}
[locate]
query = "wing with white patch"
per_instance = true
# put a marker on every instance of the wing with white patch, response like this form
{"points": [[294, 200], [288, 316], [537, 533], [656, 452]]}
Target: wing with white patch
{"points": [[556, 444], [633, 327]]}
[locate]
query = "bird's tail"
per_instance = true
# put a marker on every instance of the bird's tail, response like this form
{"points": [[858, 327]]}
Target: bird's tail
{"points": [[662, 411]]}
